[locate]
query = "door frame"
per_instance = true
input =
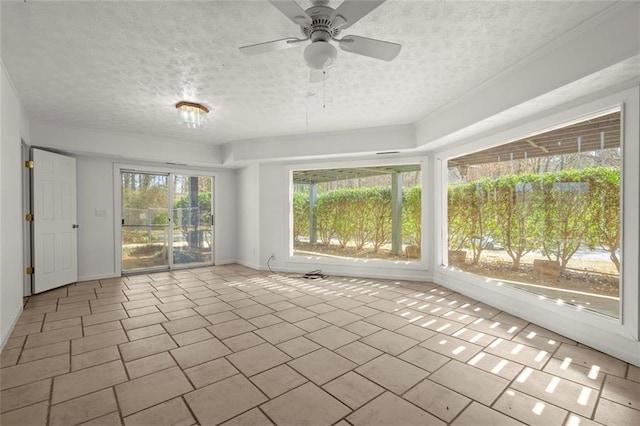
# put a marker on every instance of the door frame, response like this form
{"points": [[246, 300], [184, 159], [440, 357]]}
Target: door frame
{"points": [[118, 168], [27, 233]]}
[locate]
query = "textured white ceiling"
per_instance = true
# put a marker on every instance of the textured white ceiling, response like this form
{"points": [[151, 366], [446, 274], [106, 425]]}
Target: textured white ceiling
{"points": [[122, 66]]}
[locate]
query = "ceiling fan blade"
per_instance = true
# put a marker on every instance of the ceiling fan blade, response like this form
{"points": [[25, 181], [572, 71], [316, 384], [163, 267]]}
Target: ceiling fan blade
{"points": [[351, 11], [317, 76], [373, 48], [293, 11], [270, 46]]}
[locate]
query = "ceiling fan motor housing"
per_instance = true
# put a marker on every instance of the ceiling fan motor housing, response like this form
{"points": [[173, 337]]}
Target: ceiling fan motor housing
{"points": [[321, 28]]}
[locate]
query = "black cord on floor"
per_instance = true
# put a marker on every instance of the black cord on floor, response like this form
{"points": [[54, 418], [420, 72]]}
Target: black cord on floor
{"points": [[269, 264], [314, 275]]}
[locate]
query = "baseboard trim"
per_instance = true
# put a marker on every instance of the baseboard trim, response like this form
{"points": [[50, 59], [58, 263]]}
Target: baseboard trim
{"points": [[14, 320]]}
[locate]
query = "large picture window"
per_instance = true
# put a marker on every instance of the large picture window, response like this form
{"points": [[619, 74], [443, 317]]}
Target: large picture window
{"points": [[358, 213], [543, 214]]}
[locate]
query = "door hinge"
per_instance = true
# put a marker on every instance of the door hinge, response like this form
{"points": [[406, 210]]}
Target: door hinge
{"points": [[28, 164], [28, 217], [29, 270]]}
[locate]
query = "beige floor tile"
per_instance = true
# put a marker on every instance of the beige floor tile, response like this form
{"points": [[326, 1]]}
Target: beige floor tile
{"points": [[223, 400], [441, 325], [66, 314], [28, 318], [535, 340], [610, 413], [212, 308], [10, 357], [280, 332], [45, 351], [111, 419], [221, 317], [364, 311], [141, 303], [173, 412], [477, 414], [26, 329], [21, 396], [306, 301], [143, 311], [451, 347], [295, 314], [102, 328], [353, 390], [473, 336], [51, 337], [424, 358], [252, 311], [390, 342], [243, 341], [322, 366], [143, 321], [197, 353], [22, 374], [312, 324], [185, 324], [517, 352], [151, 364], [265, 320], [89, 359], [392, 373], [416, 333], [258, 359], [567, 369], [253, 417], [278, 380], [298, 346], [148, 331], [332, 337], [437, 400], [633, 373], [305, 405], [587, 358], [622, 391], [147, 391], [81, 382], [496, 365], [387, 321], [15, 342], [84, 408], [358, 352], [282, 305], [322, 308], [339, 317], [56, 325], [555, 390], [231, 328], [388, 409], [108, 316], [98, 341], [362, 328], [33, 415], [495, 328], [145, 347], [470, 382], [529, 410], [210, 372], [192, 336]]}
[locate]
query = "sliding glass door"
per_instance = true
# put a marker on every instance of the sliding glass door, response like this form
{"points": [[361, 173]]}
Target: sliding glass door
{"points": [[192, 220], [167, 221]]}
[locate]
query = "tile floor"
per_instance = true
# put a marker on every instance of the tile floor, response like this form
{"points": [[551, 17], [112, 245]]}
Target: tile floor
{"points": [[234, 346]]}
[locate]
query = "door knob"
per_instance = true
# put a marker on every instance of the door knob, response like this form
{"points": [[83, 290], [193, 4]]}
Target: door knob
{"points": [[74, 226]]}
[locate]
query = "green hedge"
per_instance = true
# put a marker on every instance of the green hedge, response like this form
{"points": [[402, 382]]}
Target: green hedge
{"points": [[357, 216], [554, 213]]}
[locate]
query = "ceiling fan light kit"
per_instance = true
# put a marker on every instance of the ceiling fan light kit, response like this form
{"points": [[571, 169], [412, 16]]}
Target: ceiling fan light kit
{"points": [[320, 25], [191, 114]]}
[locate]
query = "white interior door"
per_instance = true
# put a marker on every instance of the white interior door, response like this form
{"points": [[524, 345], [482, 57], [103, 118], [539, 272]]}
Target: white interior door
{"points": [[54, 223]]}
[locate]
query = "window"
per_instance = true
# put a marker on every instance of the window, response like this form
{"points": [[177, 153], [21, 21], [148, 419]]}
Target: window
{"points": [[543, 213], [358, 213]]}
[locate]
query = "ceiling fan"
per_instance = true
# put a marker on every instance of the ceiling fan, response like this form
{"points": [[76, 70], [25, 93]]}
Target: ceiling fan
{"points": [[321, 25]]}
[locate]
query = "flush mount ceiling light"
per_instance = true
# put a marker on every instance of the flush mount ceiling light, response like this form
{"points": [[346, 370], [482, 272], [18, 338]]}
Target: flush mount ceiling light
{"points": [[192, 115]]}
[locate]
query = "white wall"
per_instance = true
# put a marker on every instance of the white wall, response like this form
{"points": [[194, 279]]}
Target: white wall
{"points": [[248, 212], [14, 127], [126, 146], [95, 217]]}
